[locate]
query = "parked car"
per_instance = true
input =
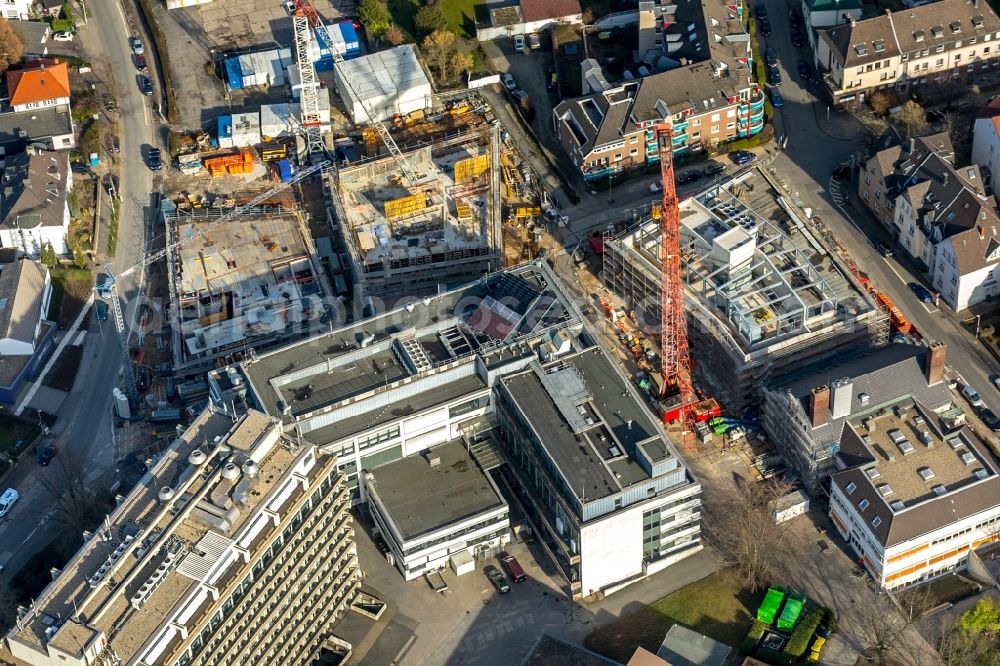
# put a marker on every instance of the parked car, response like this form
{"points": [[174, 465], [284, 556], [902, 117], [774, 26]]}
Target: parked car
{"points": [[689, 177], [47, 453], [742, 157], [111, 185], [774, 75], [104, 285], [990, 419], [841, 172], [102, 310], [655, 187], [513, 568], [519, 43], [552, 79], [760, 11], [772, 57], [116, 144], [883, 248], [136, 45], [996, 381], [805, 71], [80, 167], [140, 63], [145, 85], [7, 500], [765, 28], [498, 579], [920, 292], [155, 161], [713, 169], [793, 19], [63, 37], [972, 395], [776, 99], [534, 41], [508, 81], [797, 39]]}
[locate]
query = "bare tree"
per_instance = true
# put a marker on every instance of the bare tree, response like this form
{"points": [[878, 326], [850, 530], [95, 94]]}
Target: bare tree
{"points": [[912, 119], [745, 533], [77, 506], [881, 102], [884, 617]]}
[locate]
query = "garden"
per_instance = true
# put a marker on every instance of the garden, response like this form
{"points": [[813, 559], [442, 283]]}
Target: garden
{"points": [[794, 635]]}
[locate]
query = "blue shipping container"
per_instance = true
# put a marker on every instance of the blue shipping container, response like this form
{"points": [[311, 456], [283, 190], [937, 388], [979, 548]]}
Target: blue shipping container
{"points": [[285, 170], [234, 74]]}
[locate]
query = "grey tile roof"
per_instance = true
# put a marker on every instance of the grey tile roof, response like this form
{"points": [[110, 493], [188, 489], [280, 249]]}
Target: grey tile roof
{"points": [[979, 246], [35, 124], [859, 44], [886, 375], [22, 289], [34, 189], [33, 34], [614, 106], [682, 88]]}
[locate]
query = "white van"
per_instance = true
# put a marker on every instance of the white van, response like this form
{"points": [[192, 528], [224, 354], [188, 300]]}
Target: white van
{"points": [[7, 500]]}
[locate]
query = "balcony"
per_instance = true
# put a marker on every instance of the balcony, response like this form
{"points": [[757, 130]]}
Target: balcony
{"points": [[757, 116], [679, 138], [595, 172], [681, 126], [681, 150]]}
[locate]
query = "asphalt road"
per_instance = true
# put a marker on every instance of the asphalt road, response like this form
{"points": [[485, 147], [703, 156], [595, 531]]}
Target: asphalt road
{"points": [[83, 432]]}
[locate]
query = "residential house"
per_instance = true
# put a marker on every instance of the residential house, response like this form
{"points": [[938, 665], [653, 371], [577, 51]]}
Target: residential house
{"points": [[35, 36], [513, 18], [38, 84], [708, 100], [804, 412], [51, 8], [898, 51], [34, 201], [939, 214], [986, 143], [915, 493], [17, 10], [828, 13], [26, 335], [51, 128]]}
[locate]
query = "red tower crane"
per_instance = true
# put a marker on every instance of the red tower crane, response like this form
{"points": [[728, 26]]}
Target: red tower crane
{"points": [[674, 352]]}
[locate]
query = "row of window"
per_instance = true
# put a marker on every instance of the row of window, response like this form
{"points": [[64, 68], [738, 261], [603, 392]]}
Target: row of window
{"points": [[457, 534]]}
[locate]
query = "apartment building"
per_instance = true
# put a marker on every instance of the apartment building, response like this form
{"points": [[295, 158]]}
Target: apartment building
{"points": [[384, 394], [707, 94], [804, 413], [899, 51], [915, 493], [986, 143], [939, 214], [237, 547]]}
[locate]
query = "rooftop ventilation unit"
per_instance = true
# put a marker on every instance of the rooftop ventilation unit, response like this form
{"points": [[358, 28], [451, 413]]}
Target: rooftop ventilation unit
{"points": [[864, 398], [897, 505], [939, 490], [980, 473], [955, 443], [873, 472], [884, 489], [926, 473], [967, 458], [925, 437], [897, 436], [905, 447]]}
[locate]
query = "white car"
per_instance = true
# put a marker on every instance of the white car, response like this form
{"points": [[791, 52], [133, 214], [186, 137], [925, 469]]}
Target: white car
{"points": [[508, 81], [519, 43], [7, 500], [972, 395], [655, 187], [996, 381], [63, 37]]}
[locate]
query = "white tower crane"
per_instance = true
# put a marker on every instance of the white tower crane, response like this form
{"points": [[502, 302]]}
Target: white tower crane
{"points": [[130, 384]]}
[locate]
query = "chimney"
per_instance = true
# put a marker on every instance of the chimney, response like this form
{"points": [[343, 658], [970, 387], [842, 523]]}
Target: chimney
{"points": [[819, 406], [935, 363]]}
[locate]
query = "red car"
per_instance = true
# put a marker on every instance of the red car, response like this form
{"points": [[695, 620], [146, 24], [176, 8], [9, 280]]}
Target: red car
{"points": [[140, 63], [513, 568]]}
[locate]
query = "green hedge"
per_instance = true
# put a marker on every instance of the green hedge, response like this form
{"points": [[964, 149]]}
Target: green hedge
{"points": [[799, 641], [757, 630]]}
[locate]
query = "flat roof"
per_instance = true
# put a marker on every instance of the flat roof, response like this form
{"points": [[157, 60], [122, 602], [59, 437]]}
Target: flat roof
{"points": [[590, 422], [422, 497], [549, 651], [684, 647]]}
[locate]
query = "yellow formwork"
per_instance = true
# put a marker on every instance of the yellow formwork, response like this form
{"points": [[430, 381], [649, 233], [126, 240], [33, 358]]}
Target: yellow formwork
{"points": [[463, 211], [405, 206], [468, 169]]}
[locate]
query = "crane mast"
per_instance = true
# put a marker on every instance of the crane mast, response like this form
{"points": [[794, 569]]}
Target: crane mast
{"points": [[674, 352]]}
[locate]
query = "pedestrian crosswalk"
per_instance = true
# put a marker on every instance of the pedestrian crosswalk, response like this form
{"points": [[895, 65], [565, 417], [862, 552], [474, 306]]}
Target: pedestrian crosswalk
{"points": [[837, 193]]}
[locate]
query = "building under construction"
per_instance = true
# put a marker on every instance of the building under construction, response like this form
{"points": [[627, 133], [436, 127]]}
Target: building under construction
{"points": [[249, 282], [763, 294], [418, 238]]}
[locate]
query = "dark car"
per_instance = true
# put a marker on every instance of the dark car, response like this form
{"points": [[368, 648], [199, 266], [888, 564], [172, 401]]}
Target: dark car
{"points": [[498, 579], [155, 162], [713, 169], [111, 184], [793, 19], [513, 568], [920, 292], [45, 455], [990, 419], [805, 71], [145, 85], [776, 100], [765, 28], [742, 157], [688, 177], [772, 57], [883, 248], [797, 40], [80, 167], [760, 11], [841, 172], [774, 76]]}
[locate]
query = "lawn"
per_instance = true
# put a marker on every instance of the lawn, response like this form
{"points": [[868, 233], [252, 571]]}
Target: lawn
{"points": [[12, 430], [70, 286], [461, 14], [716, 606]]}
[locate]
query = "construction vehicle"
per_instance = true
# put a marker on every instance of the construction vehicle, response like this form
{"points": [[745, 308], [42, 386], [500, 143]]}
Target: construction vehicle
{"points": [[110, 282]]}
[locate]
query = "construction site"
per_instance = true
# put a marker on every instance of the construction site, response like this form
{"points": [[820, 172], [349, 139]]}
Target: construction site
{"points": [[416, 238], [247, 282], [762, 293]]}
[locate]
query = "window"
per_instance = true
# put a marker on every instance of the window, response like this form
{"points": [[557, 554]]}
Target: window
{"points": [[863, 504], [618, 157], [716, 117], [939, 49], [868, 180], [876, 521], [958, 57], [730, 125], [851, 487], [878, 192], [715, 129], [939, 63]]}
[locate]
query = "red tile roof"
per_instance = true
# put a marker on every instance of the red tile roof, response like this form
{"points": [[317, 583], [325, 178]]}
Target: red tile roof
{"points": [[40, 83], [538, 10]]}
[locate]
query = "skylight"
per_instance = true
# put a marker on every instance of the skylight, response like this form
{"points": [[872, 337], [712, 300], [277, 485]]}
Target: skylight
{"points": [[939, 489], [863, 504], [873, 472], [861, 49], [876, 521], [879, 45], [897, 505], [884, 489], [926, 473], [851, 487]]}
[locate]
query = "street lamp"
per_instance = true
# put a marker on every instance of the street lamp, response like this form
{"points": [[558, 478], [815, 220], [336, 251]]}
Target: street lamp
{"points": [[611, 198], [978, 318]]}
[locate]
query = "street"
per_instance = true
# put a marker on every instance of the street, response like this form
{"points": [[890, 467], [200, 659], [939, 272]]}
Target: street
{"points": [[84, 426]]}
